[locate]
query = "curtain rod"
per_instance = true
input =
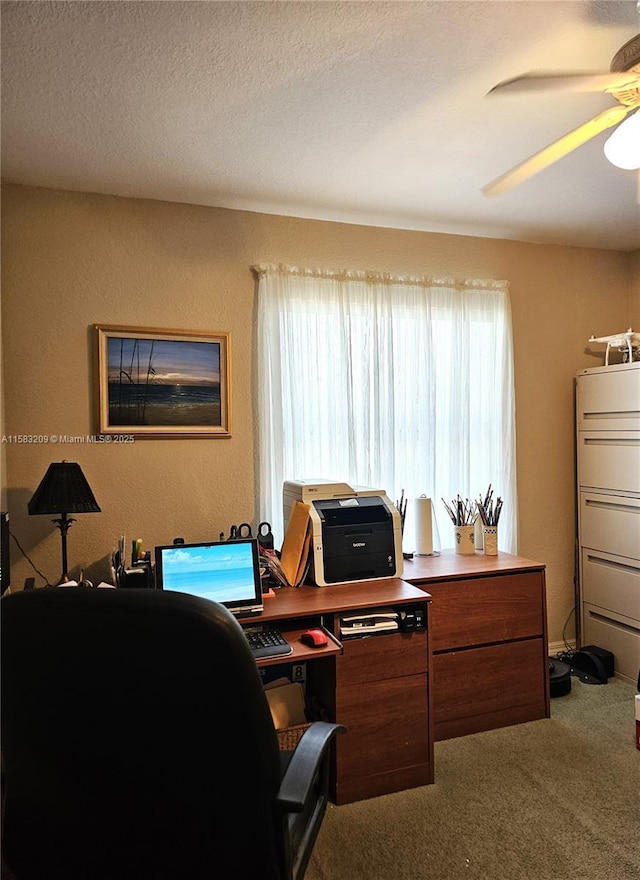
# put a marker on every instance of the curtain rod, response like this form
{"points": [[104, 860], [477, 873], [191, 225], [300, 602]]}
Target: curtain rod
{"points": [[266, 269]]}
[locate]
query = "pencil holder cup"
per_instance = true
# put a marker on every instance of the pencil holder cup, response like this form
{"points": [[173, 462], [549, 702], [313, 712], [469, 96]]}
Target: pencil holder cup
{"points": [[464, 539], [490, 539]]}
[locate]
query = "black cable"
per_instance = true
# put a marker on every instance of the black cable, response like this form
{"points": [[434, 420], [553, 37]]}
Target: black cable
{"points": [[567, 646], [567, 655], [45, 579]]}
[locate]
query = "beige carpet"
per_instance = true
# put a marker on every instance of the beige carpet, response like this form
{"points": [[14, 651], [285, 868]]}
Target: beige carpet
{"points": [[556, 799]]}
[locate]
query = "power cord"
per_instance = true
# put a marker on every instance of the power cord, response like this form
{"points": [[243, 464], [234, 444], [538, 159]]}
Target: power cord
{"points": [[44, 578], [567, 655]]}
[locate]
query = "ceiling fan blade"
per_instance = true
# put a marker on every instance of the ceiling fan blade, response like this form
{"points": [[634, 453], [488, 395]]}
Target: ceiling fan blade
{"points": [[556, 150], [569, 82]]}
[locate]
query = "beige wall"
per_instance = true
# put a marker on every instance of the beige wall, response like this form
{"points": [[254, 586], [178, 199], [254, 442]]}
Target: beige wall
{"points": [[634, 291], [72, 260]]}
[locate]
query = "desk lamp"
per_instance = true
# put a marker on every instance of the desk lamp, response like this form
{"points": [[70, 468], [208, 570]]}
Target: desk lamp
{"points": [[64, 490]]}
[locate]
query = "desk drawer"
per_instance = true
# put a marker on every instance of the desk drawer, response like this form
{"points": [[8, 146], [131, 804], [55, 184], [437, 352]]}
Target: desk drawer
{"points": [[610, 523], [485, 688], [387, 727], [484, 610], [382, 657]]}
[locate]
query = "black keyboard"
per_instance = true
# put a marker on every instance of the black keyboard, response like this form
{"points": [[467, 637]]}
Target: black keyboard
{"points": [[267, 643]]}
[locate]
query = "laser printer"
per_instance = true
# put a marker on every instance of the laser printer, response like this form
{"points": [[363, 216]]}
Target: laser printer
{"points": [[356, 531]]}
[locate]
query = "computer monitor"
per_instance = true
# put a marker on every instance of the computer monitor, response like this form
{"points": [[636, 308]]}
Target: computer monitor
{"points": [[227, 572]]}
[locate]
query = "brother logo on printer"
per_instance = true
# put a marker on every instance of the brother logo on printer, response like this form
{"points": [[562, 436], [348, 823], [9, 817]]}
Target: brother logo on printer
{"points": [[359, 544]]}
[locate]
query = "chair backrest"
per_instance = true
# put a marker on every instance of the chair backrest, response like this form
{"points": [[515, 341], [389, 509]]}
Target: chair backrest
{"points": [[137, 741]]}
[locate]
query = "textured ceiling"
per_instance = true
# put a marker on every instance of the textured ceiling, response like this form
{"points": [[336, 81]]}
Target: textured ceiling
{"points": [[364, 112]]}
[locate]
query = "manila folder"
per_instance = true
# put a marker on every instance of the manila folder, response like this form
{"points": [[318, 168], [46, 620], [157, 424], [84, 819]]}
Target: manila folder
{"points": [[294, 545]]}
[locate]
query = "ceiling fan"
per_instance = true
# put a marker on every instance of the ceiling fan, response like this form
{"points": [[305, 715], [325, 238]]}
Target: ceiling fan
{"points": [[622, 82]]}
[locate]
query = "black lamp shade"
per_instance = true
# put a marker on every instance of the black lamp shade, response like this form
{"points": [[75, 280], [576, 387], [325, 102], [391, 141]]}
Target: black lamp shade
{"points": [[63, 489]]}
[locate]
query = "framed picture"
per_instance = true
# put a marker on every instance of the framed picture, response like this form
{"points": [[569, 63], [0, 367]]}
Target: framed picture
{"points": [[163, 383]]}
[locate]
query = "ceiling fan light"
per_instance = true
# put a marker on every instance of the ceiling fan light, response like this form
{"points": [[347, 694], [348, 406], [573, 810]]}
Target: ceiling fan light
{"points": [[622, 148]]}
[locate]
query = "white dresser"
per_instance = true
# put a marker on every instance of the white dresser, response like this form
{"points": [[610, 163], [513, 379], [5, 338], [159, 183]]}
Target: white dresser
{"points": [[608, 471]]}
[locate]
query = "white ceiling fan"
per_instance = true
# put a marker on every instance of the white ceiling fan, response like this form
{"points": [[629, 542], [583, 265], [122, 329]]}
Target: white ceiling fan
{"points": [[622, 82]]}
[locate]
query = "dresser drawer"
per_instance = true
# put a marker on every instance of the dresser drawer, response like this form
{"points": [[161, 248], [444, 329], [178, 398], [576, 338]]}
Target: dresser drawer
{"points": [[609, 400], [609, 460], [611, 582], [485, 610], [617, 634], [381, 657], [610, 523]]}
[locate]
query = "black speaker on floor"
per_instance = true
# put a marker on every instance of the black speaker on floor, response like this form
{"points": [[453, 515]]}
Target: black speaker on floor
{"points": [[588, 667], [559, 678], [604, 656]]}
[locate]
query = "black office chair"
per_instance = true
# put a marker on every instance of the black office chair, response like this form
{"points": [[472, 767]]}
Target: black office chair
{"points": [[138, 743]]}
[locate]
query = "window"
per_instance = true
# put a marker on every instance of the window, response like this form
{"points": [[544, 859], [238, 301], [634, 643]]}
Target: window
{"points": [[390, 382]]}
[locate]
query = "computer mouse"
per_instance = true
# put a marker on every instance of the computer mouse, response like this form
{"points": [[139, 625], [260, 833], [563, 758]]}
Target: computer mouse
{"points": [[315, 638]]}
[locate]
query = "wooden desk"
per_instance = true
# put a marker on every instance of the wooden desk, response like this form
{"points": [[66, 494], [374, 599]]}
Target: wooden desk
{"points": [[488, 637], [378, 687], [481, 664]]}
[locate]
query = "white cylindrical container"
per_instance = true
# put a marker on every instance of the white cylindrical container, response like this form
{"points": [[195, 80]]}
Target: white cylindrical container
{"points": [[424, 526]]}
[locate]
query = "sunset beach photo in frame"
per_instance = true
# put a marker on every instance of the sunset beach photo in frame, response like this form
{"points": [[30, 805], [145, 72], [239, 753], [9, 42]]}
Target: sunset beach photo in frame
{"points": [[163, 383]]}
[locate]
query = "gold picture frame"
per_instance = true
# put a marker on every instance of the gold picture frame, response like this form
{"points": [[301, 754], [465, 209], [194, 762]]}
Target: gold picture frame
{"points": [[163, 383]]}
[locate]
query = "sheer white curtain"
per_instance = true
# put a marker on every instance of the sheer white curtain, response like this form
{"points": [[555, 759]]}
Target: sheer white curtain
{"points": [[398, 383]]}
